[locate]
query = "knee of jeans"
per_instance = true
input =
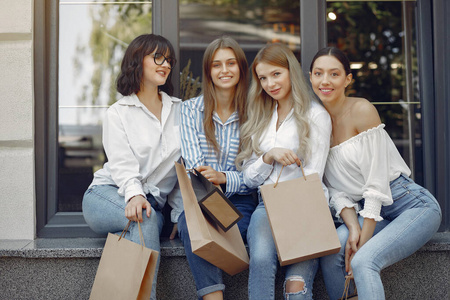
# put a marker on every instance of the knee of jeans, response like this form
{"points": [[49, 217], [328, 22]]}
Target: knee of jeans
{"points": [[360, 263], [294, 285]]}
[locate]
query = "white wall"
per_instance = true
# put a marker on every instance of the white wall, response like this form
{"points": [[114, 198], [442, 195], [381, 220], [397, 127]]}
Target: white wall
{"points": [[17, 193]]}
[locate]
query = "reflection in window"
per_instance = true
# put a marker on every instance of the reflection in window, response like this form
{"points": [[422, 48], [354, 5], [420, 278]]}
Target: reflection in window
{"points": [[379, 39], [93, 36], [251, 23]]}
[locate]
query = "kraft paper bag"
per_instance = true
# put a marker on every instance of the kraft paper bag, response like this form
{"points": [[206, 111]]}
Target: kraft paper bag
{"points": [[126, 269], [214, 203], [346, 295], [301, 222], [225, 250]]}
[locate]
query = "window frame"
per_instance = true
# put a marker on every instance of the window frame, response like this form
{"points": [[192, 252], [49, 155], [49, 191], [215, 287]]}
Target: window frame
{"points": [[50, 223]]}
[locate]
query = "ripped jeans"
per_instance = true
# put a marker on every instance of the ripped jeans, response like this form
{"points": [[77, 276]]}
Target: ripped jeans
{"points": [[264, 262]]}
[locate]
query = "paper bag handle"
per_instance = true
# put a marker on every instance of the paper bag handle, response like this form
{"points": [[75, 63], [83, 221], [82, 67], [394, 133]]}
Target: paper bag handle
{"points": [[141, 236], [303, 172], [345, 294]]}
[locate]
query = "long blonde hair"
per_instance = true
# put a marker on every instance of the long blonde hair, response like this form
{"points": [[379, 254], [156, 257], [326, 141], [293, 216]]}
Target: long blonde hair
{"points": [[261, 105], [209, 94]]}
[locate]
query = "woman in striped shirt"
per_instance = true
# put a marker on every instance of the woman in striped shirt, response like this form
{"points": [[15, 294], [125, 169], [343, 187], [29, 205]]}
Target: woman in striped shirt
{"points": [[210, 144]]}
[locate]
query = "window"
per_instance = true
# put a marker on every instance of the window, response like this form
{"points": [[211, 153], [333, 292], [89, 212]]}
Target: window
{"points": [[87, 42], [379, 38], [79, 45], [251, 23]]}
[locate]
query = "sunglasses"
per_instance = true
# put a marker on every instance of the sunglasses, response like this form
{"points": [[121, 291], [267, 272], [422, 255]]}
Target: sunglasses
{"points": [[160, 59]]}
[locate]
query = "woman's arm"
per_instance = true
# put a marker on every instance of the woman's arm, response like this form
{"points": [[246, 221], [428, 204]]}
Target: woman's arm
{"points": [[122, 162], [351, 247], [319, 136], [190, 140]]}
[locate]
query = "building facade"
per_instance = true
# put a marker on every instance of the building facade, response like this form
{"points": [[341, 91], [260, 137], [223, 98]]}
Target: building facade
{"points": [[59, 60]]}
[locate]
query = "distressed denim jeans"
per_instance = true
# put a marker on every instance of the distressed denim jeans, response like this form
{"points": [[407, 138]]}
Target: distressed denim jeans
{"points": [[104, 211], [264, 262], [207, 277], [408, 224]]}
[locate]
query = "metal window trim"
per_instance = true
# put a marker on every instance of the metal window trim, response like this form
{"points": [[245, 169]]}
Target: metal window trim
{"points": [[49, 222]]}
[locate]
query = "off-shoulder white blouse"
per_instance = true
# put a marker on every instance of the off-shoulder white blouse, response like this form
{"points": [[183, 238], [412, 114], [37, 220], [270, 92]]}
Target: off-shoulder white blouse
{"points": [[362, 167]]}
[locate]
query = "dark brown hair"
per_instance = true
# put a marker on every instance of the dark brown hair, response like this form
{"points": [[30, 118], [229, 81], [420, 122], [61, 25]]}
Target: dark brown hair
{"points": [[131, 70], [338, 54]]}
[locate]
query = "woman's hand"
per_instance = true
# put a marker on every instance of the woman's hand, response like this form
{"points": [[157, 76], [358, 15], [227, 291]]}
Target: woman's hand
{"points": [[354, 235], [174, 232], [283, 156], [351, 247], [212, 175], [133, 210]]}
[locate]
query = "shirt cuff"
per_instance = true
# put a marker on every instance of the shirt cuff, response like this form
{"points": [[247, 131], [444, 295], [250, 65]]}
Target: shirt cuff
{"points": [[372, 210], [174, 215], [232, 183], [262, 168], [340, 201], [133, 190]]}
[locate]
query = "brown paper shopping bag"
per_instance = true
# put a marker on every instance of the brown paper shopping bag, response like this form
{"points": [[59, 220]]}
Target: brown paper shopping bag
{"points": [[214, 203], [126, 269], [225, 250], [301, 222]]}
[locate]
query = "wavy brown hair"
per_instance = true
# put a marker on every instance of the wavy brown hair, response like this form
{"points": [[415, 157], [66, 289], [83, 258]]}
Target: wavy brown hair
{"points": [[131, 71], [209, 94]]}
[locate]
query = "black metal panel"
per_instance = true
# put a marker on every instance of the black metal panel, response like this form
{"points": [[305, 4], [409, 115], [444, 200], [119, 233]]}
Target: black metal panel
{"points": [[165, 16], [313, 30], [441, 47]]}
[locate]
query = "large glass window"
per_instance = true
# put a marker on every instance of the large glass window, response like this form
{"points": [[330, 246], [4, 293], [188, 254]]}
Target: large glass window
{"points": [[83, 43], [252, 23], [379, 38], [93, 36]]}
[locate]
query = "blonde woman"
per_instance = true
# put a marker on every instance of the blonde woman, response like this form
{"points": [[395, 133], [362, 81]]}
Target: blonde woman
{"points": [[285, 125], [210, 143]]}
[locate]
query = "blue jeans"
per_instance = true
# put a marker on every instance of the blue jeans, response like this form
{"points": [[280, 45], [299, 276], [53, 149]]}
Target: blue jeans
{"points": [[104, 211], [408, 224], [264, 262], [208, 278]]}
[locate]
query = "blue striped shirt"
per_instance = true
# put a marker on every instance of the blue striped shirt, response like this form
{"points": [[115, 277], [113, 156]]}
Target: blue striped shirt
{"points": [[196, 151]]}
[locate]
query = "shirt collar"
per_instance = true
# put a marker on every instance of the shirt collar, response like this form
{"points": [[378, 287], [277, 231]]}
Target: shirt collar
{"points": [[134, 100]]}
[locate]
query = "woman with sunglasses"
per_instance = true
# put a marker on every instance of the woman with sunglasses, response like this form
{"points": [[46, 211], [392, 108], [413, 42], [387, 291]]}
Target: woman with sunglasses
{"points": [[141, 141], [210, 143]]}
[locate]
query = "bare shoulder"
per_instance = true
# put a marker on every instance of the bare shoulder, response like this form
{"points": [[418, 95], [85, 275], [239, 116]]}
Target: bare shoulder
{"points": [[364, 114]]}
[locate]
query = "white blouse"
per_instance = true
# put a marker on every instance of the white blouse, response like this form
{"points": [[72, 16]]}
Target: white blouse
{"points": [[141, 151], [257, 172], [362, 167]]}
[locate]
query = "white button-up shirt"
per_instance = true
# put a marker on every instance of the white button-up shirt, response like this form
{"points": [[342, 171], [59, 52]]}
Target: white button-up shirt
{"points": [[257, 172], [141, 150]]}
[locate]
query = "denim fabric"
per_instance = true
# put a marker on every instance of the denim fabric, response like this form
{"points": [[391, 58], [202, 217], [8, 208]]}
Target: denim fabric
{"points": [[408, 224], [264, 262], [208, 278], [104, 211]]}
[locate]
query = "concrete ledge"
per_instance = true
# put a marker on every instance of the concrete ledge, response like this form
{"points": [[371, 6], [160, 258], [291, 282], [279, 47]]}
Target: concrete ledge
{"points": [[93, 247], [65, 269]]}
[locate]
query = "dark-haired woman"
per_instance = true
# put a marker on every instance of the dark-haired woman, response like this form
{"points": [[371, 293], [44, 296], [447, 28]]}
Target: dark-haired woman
{"points": [[210, 143], [366, 176], [141, 141]]}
